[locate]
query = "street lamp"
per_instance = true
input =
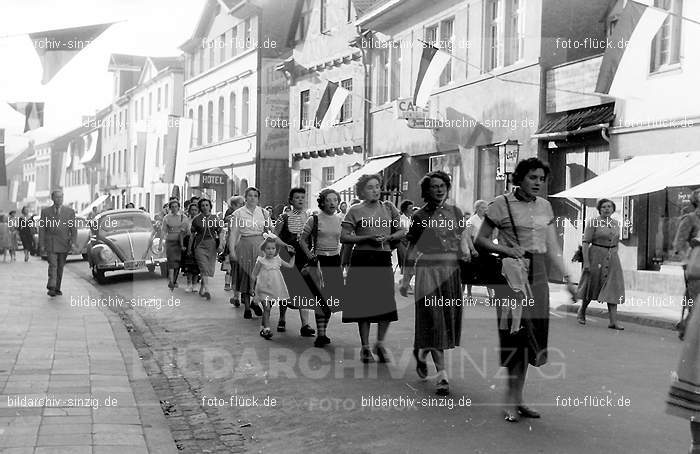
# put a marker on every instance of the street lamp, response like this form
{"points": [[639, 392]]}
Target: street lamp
{"points": [[508, 152]]}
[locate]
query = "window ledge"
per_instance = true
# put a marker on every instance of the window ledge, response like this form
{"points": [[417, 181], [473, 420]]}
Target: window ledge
{"points": [[346, 122], [666, 70]]}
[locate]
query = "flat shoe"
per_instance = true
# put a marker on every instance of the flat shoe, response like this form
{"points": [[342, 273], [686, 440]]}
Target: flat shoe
{"points": [[256, 308], [307, 331], [528, 412], [266, 333], [366, 356], [581, 321], [443, 388], [281, 326], [421, 365], [207, 296], [617, 327], [247, 314]]}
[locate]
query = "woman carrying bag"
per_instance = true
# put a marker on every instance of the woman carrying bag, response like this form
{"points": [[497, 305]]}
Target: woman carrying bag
{"points": [[525, 223], [323, 268]]}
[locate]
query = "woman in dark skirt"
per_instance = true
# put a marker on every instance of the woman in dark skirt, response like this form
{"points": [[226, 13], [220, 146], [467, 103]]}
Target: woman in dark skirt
{"points": [[526, 233], [172, 233], [438, 238], [25, 233], [189, 264], [205, 232], [324, 231], [370, 226]]}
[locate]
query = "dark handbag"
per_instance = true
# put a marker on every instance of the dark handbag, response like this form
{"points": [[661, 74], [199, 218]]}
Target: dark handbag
{"points": [[578, 255], [487, 267]]}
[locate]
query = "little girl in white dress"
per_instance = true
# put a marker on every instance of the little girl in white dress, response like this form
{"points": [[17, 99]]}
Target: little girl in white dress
{"points": [[268, 281]]}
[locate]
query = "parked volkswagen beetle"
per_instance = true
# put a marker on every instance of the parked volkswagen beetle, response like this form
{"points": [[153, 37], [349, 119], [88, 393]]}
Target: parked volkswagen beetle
{"points": [[123, 240]]}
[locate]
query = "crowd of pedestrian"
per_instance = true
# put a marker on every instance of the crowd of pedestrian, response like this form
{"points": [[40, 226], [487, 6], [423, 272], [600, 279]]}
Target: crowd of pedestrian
{"points": [[338, 257]]}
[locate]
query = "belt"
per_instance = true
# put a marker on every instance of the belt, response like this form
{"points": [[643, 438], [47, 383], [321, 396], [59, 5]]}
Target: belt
{"points": [[606, 247], [248, 236]]}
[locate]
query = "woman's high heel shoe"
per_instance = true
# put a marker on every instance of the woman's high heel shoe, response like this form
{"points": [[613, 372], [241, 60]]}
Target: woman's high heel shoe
{"points": [[382, 353], [421, 365], [366, 355], [528, 412]]}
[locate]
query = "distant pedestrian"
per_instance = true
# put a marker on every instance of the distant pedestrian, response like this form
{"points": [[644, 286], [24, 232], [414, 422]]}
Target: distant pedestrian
{"points": [[227, 265], [25, 233], [437, 327], [188, 263], [527, 241], [323, 230], [370, 226], [473, 225], [602, 279], [268, 282], [205, 234], [4, 237], [406, 209], [57, 237], [173, 231], [14, 234]]}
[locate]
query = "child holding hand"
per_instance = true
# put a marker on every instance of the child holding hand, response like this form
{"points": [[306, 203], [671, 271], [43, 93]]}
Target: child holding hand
{"points": [[268, 281]]}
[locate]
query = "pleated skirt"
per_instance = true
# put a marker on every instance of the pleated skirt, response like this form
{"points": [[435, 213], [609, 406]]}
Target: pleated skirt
{"points": [[438, 302], [247, 252]]}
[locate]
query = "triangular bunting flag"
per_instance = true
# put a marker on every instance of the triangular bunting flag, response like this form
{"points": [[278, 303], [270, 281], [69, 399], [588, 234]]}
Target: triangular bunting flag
{"points": [[33, 114], [331, 102], [57, 47], [432, 62], [631, 42]]}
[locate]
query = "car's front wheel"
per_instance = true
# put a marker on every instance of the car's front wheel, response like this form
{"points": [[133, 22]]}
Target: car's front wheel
{"points": [[99, 275]]}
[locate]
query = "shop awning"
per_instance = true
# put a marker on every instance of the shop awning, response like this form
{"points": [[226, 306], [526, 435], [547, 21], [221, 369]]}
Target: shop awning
{"points": [[370, 167], [98, 201], [641, 175], [577, 121]]}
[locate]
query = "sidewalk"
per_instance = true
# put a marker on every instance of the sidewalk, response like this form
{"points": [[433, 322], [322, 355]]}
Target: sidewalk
{"points": [[70, 379]]}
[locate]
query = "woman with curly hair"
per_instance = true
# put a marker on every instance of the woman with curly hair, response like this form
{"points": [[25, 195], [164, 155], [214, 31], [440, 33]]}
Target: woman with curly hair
{"points": [[437, 234], [370, 226]]}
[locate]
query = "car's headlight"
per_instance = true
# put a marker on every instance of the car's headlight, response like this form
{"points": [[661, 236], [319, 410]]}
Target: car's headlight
{"points": [[155, 246], [106, 254]]}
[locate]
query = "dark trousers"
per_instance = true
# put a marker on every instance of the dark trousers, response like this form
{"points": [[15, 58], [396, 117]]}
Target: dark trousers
{"points": [[57, 260]]}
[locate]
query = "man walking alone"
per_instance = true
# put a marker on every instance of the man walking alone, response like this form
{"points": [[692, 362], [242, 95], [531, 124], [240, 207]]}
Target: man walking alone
{"points": [[57, 235]]}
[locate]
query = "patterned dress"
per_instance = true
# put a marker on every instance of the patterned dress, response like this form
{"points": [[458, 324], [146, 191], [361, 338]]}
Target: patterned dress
{"points": [[270, 283]]}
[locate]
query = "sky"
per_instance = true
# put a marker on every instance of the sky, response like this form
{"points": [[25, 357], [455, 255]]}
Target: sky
{"points": [[83, 86]]}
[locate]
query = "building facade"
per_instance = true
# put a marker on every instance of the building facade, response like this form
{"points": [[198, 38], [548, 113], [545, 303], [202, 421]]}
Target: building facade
{"points": [[322, 54], [231, 92], [488, 102]]}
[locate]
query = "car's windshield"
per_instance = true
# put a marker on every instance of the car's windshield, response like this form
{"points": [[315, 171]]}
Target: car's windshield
{"points": [[125, 222]]}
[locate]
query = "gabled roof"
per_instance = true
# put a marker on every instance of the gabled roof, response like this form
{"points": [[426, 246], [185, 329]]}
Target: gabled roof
{"points": [[205, 19], [167, 62], [126, 62], [364, 6]]}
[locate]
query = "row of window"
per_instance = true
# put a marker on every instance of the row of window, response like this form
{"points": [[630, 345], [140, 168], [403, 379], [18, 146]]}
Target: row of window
{"points": [[345, 115], [504, 45], [327, 176], [119, 121], [161, 103], [76, 177], [323, 22], [209, 54], [226, 126]]}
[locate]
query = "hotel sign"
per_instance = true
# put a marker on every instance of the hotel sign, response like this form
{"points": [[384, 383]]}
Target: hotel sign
{"points": [[213, 178]]}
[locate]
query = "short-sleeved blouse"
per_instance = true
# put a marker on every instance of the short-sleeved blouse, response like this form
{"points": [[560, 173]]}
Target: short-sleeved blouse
{"points": [[436, 229], [174, 224], [376, 220], [532, 219], [602, 232], [249, 223], [328, 236]]}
